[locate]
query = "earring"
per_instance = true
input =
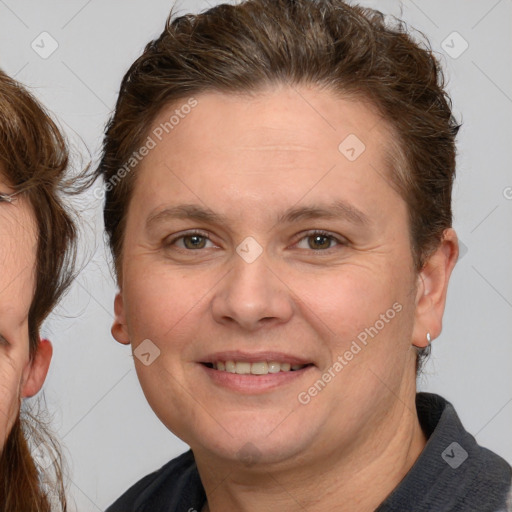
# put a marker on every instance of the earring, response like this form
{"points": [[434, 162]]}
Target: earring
{"points": [[428, 338]]}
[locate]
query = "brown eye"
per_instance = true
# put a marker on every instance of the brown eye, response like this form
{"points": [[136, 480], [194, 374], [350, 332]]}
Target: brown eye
{"points": [[194, 241], [320, 241], [189, 241]]}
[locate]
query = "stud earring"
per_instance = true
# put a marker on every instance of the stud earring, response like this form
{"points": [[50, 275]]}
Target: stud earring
{"points": [[428, 338]]}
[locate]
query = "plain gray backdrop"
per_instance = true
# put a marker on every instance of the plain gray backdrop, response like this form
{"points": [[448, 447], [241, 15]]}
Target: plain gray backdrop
{"points": [[73, 53]]}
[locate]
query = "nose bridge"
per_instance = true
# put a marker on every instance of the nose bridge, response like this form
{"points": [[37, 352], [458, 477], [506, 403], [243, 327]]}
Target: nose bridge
{"points": [[251, 292]]}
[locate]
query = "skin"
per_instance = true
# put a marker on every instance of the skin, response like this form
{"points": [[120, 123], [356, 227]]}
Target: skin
{"points": [[250, 158], [21, 374]]}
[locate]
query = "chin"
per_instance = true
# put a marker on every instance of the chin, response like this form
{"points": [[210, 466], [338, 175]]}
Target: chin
{"points": [[252, 442]]}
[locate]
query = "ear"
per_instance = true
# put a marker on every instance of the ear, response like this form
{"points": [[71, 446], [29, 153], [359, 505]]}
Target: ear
{"points": [[34, 374], [119, 329], [432, 286]]}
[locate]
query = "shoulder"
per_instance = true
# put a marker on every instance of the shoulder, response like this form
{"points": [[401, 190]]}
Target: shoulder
{"points": [[476, 477], [453, 473], [165, 489]]}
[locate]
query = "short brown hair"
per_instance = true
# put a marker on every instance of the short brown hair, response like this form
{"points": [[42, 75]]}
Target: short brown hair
{"points": [[34, 161], [346, 49]]}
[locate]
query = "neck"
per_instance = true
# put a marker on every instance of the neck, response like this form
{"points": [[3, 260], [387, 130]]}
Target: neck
{"points": [[359, 480]]}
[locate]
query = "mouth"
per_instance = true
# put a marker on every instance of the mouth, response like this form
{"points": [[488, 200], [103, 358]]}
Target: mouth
{"points": [[254, 373], [254, 368]]}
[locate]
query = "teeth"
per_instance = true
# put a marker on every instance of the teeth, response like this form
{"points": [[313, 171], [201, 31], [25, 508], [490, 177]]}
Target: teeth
{"points": [[274, 367], [258, 368], [242, 368]]}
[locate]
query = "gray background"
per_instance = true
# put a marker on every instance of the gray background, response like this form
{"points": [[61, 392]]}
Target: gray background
{"points": [[110, 435]]}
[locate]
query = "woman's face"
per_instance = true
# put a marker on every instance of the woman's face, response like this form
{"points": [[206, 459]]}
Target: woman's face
{"points": [[263, 234], [19, 375]]}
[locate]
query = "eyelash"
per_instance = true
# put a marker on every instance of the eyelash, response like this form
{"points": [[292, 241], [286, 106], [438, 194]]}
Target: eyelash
{"points": [[312, 233]]}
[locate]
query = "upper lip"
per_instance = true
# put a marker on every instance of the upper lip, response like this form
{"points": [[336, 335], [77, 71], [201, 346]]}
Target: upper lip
{"points": [[254, 357]]}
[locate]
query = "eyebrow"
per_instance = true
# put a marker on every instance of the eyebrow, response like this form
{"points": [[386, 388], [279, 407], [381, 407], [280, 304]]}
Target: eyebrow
{"points": [[335, 210]]}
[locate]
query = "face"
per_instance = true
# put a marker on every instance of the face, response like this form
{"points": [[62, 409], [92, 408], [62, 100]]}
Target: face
{"points": [[19, 373], [263, 237]]}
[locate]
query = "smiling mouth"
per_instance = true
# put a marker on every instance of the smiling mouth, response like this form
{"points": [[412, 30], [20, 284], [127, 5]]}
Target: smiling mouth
{"points": [[256, 368]]}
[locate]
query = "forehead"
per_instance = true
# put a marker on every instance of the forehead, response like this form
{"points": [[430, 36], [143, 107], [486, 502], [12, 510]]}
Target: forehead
{"points": [[274, 146], [273, 119]]}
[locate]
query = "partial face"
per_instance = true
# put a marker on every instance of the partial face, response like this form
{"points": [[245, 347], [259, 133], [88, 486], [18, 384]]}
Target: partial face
{"points": [[17, 263], [255, 245]]}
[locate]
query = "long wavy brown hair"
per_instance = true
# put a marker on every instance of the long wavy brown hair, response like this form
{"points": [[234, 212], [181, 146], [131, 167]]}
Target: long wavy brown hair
{"points": [[34, 160]]}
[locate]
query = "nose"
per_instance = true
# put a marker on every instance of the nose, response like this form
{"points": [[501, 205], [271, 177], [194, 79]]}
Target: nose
{"points": [[252, 295]]}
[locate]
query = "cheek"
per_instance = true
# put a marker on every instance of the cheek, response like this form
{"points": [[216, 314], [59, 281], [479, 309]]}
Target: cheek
{"points": [[10, 382], [364, 317], [166, 308], [365, 320], [351, 299], [160, 302]]}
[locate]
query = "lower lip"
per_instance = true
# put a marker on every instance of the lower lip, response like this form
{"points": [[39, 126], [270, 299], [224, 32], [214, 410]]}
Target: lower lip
{"points": [[249, 383]]}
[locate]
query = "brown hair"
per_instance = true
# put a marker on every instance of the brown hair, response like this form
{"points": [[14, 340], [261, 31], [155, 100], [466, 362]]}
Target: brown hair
{"points": [[34, 159], [346, 49]]}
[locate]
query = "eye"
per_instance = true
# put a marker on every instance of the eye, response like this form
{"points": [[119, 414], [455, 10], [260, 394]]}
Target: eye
{"points": [[189, 241], [319, 240]]}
